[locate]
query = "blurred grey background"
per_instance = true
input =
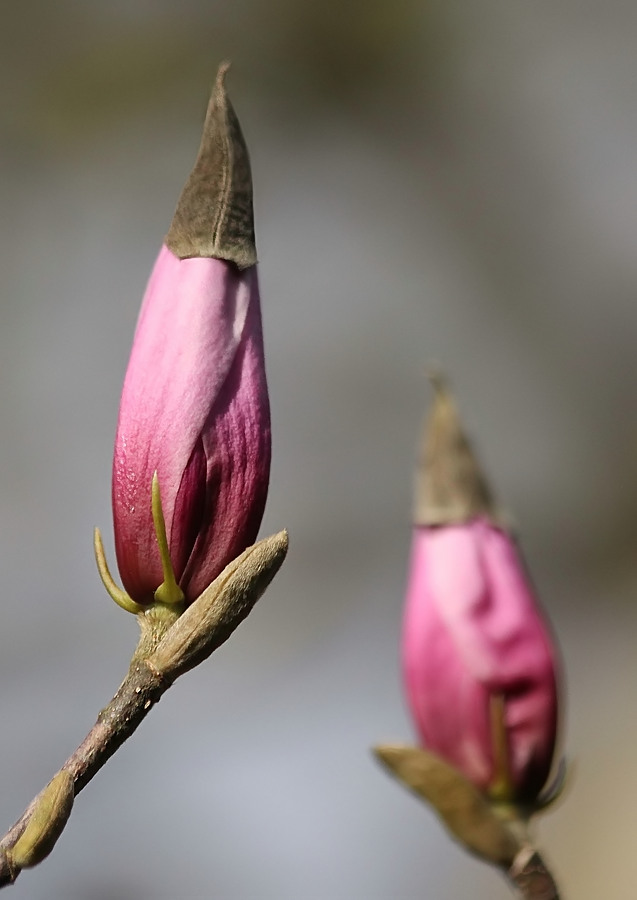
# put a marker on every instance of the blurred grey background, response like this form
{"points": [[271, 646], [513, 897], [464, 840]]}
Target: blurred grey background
{"points": [[434, 181]]}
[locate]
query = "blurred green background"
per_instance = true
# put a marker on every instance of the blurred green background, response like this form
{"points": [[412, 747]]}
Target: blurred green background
{"points": [[449, 182]]}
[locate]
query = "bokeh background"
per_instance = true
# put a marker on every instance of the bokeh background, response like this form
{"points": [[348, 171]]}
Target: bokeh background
{"points": [[450, 182]]}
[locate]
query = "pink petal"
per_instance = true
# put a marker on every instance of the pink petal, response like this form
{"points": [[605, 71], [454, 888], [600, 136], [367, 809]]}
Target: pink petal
{"points": [[190, 327], [473, 631]]}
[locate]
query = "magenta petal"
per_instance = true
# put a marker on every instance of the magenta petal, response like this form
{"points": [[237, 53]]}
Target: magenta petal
{"points": [[473, 631], [236, 440], [190, 509], [196, 372]]}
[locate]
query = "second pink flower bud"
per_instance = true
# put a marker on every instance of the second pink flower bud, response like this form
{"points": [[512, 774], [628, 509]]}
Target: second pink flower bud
{"points": [[478, 658]]}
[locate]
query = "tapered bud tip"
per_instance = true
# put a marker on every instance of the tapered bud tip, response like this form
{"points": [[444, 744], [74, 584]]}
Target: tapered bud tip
{"points": [[450, 486], [214, 216]]}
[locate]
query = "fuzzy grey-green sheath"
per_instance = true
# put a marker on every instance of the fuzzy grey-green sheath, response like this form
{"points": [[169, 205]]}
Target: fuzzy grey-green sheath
{"points": [[463, 809], [450, 485], [208, 622], [214, 216], [470, 819]]}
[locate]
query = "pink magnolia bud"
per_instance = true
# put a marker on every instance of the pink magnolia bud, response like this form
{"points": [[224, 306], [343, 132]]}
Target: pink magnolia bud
{"points": [[478, 659], [194, 407]]}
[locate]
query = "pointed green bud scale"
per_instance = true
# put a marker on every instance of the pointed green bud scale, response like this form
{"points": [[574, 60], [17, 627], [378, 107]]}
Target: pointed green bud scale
{"points": [[214, 216], [168, 591], [502, 787], [115, 592], [450, 485]]}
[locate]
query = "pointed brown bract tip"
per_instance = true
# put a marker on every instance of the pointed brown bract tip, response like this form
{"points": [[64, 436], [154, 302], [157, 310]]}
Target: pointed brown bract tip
{"points": [[463, 809], [214, 216], [450, 486]]}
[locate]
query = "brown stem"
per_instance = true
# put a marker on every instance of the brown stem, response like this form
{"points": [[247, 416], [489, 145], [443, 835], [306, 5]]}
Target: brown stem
{"points": [[531, 878], [203, 627], [138, 693]]}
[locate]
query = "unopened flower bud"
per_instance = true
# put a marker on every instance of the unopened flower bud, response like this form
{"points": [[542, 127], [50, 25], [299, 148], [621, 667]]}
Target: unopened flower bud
{"points": [[192, 450], [478, 658]]}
